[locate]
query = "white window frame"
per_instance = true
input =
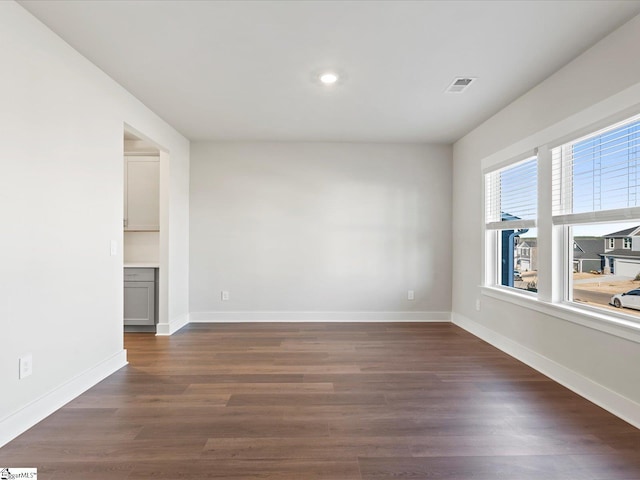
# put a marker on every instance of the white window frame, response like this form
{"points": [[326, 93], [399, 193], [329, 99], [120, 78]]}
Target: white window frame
{"points": [[554, 248], [626, 243], [563, 219], [494, 228]]}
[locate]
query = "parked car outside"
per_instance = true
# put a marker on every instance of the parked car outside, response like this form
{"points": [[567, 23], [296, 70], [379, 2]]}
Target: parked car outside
{"points": [[630, 299]]}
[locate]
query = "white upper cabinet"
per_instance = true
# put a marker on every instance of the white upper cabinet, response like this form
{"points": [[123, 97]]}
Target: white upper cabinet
{"points": [[141, 193]]}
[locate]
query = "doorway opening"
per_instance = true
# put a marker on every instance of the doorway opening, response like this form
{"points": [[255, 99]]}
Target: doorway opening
{"points": [[145, 165]]}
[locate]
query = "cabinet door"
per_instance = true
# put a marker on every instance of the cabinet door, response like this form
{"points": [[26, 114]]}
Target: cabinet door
{"points": [[139, 303], [142, 194]]}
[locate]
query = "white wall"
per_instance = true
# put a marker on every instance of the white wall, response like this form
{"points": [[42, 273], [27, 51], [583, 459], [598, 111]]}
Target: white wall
{"points": [[600, 83], [61, 201], [342, 230], [141, 247]]}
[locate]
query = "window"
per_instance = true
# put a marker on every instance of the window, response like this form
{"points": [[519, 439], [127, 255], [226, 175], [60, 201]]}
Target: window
{"points": [[599, 274], [596, 200], [598, 174], [570, 215], [511, 210]]}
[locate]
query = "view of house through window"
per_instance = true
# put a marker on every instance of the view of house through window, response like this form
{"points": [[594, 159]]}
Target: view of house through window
{"points": [[606, 272], [596, 186], [511, 210], [595, 183], [519, 259]]}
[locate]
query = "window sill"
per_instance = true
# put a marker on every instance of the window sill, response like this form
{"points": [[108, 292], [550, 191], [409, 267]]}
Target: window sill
{"points": [[611, 324]]}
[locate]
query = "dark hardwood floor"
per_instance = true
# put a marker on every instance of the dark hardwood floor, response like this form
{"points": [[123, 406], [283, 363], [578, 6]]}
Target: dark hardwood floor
{"points": [[326, 401]]}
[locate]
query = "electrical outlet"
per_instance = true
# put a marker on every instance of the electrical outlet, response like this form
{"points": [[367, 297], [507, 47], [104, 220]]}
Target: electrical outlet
{"points": [[114, 248], [225, 295], [25, 364], [410, 295], [478, 304]]}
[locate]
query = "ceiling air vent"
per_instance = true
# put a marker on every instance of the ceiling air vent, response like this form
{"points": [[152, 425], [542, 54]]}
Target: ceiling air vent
{"points": [[460, 84]]}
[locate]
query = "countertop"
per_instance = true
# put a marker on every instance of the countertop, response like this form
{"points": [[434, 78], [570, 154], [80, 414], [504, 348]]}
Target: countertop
{"points": [[141, 265]]}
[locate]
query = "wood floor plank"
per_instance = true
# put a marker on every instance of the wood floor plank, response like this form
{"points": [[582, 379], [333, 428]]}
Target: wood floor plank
{"points": [[502, 467], [345, 401], [122, 400], [313, 448], [277, 399], [259, 388], [236, 427], [281, 469]]}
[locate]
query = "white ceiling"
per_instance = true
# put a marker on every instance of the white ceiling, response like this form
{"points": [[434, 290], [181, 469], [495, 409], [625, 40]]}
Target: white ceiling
{"points": [[243, 70]]}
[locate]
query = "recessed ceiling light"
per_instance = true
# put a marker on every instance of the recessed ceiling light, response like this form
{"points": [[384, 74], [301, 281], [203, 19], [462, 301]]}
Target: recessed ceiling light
{"points": [[328, 78]]}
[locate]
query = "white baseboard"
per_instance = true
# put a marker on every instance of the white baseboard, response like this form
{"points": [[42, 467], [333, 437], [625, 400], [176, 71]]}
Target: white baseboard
{"points": [[164, 329], [239, 317], [34, 412], [613, 402]]}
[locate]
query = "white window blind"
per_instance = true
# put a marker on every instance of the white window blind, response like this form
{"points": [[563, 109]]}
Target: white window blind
{"points": [[511, 196], [597, 177]]}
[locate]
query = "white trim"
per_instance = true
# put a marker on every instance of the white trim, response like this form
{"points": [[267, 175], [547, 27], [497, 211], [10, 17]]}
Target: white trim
{"points": [[250, 316], [165, 329], [613, 109], [37, 410], [550, 247], [609, 125], [511, 224], [511, 162], [611, 323], [600, 216], [613, 402]]}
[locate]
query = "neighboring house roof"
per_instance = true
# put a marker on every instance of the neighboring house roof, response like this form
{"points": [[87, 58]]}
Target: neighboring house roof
{"points": [[530, 242], [622, 253], [587, 248], [507, 216], [629, 232]]}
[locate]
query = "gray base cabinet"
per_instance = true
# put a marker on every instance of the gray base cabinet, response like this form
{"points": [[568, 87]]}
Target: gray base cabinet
{"points": [[139, 296]]}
